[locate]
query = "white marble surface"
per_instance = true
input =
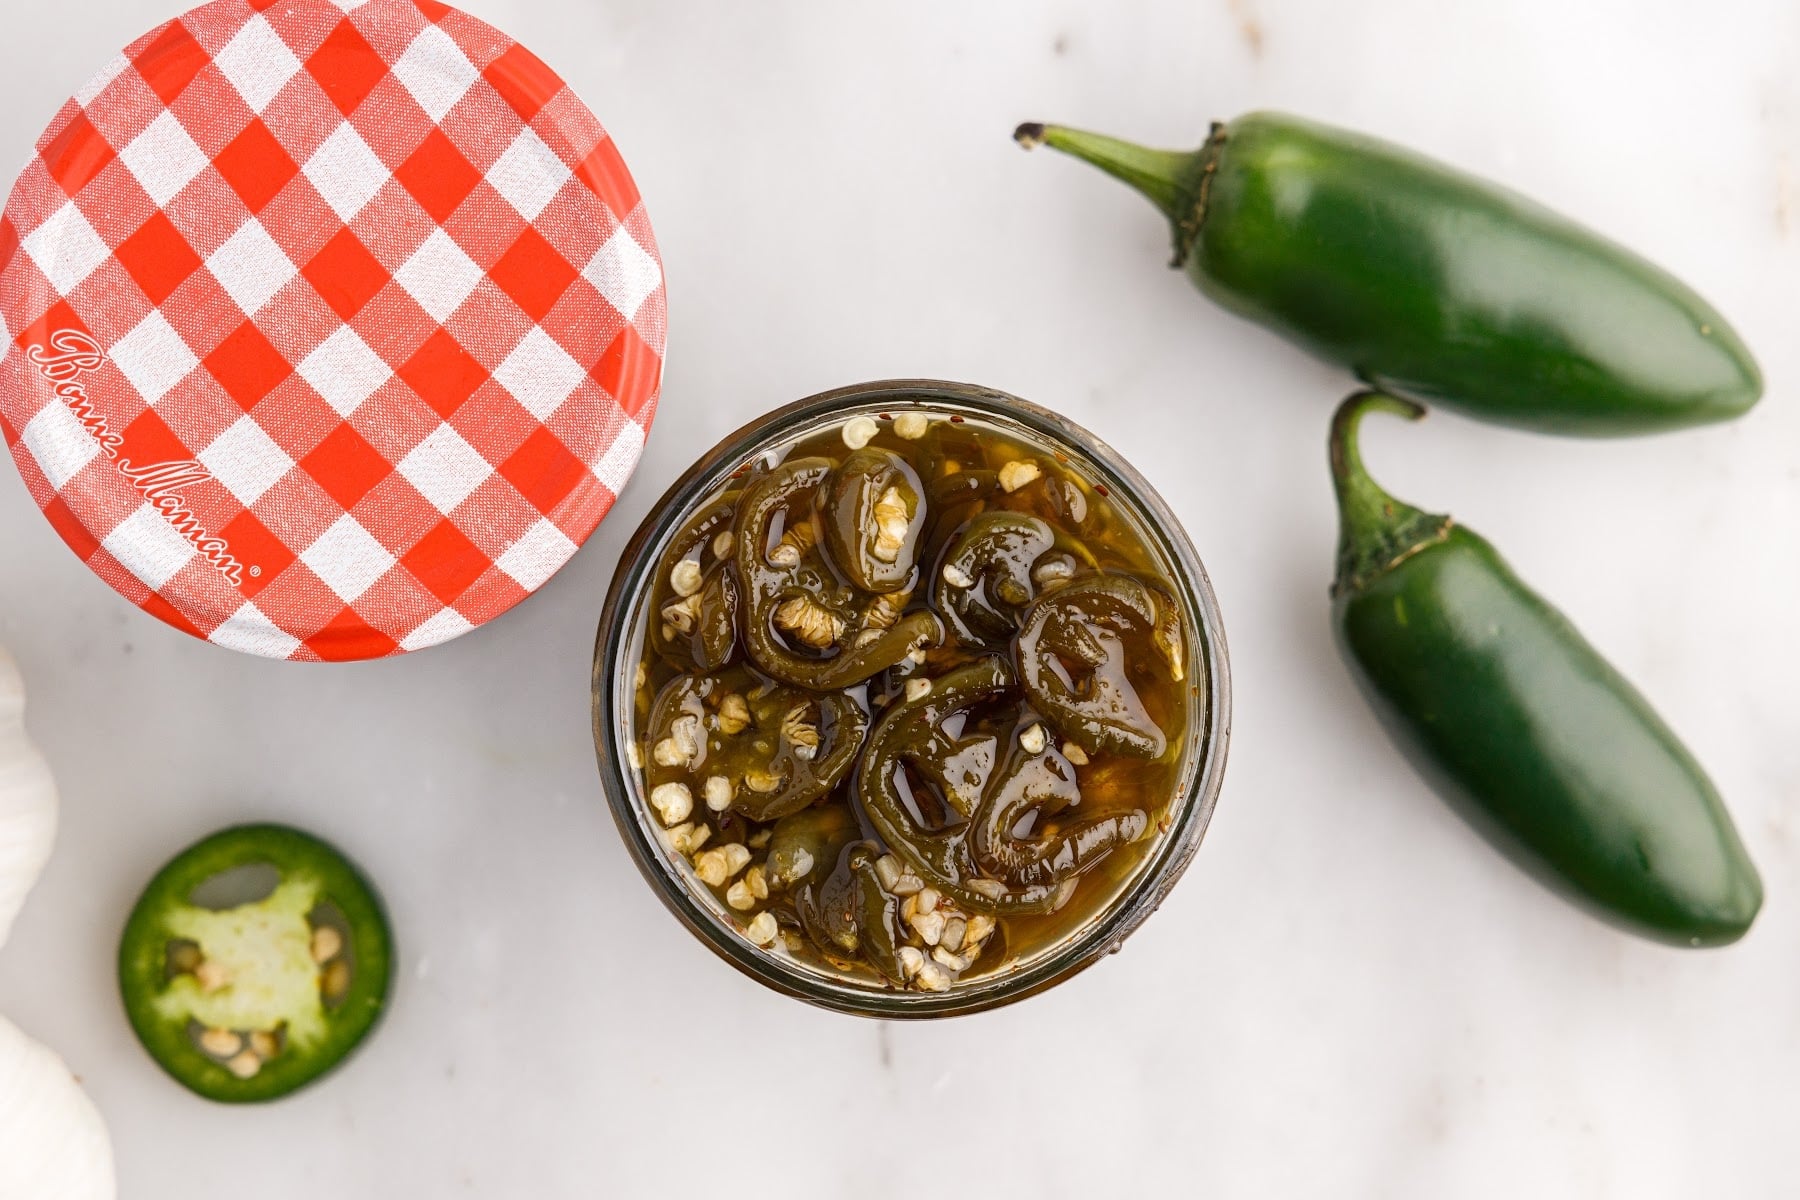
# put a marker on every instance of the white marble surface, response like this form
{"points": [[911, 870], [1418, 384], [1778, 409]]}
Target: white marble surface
{"points": [[1349, 995]]}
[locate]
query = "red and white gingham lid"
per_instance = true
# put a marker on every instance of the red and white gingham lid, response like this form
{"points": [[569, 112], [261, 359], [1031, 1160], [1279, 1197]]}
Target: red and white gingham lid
{"points": [[332, 327]]}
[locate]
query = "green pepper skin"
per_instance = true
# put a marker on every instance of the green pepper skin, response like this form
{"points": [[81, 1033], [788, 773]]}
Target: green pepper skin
{"points": [[143, 948], [1081, 628], [1522, 726], [806, 845], [767, 584], [877, 917], [827, 910], [854, 491], [708, 640], [1433, 283], [804, 775], [994, 553], [962, 769]]}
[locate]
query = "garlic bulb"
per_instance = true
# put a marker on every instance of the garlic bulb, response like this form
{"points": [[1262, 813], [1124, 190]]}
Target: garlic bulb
{"points": [[27, 800], [53, 1144]]}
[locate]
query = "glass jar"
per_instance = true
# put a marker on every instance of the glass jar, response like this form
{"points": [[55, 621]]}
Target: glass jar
{"points": [[624, 624]]}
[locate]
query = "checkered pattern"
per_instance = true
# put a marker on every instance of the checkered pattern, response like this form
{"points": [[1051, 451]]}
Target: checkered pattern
{"points": [[382, 322]]}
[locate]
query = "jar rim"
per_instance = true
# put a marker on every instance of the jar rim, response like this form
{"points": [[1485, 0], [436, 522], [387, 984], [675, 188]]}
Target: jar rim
{"points": [[1192, 808]]}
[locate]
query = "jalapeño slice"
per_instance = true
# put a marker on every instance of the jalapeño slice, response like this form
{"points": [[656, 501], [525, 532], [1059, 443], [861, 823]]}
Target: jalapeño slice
{"points": [[254, 963]]}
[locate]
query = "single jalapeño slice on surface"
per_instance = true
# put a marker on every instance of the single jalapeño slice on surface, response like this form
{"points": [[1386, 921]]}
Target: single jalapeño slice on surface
{"points": [[255, 962]]}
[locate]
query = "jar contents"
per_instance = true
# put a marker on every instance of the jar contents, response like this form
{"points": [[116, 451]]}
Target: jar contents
{"points": [[914, 698]]}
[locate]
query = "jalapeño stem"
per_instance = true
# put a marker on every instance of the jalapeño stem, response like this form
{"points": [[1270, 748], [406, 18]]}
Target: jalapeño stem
{"points": [[1375, 531], [1165, 176]]}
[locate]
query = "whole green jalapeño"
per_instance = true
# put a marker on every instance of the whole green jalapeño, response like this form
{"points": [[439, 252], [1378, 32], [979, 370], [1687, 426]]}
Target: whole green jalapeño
{"points": [[1520, 724], [1430, 282]]}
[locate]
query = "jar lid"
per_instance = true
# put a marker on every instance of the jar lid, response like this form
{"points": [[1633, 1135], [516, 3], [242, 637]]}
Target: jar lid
{"points": [[332, 327]]}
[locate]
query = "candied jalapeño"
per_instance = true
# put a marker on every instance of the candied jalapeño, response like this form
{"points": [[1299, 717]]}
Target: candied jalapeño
{"points": [[914, 698]]}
